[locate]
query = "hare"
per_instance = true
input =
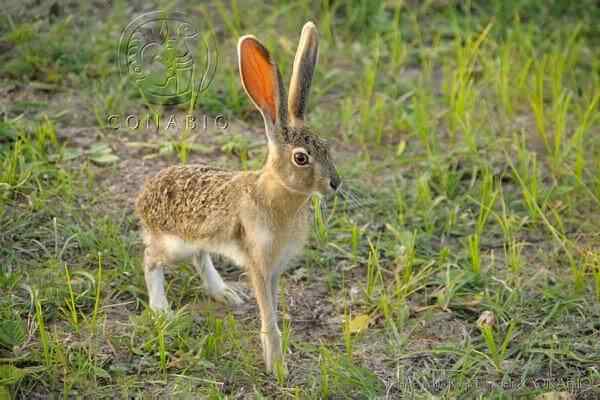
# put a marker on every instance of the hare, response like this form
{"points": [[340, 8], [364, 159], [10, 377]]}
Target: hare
{"points": [[258, 219]]}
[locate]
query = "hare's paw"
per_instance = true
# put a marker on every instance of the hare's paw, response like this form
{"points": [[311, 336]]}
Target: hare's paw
{"points": [[158, 303], [162, 310], [227, 294], [272, 353]]}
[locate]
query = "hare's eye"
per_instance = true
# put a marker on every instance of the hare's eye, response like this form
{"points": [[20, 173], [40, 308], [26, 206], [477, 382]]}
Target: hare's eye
{"points": [[301, 159]]}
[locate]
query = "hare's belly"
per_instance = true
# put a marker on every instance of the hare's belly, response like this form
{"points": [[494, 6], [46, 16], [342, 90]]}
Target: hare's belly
{"points": [[179, 248]]}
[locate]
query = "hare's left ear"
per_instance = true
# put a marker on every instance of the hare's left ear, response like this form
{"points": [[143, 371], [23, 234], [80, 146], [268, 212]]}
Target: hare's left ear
{"points": [[304, 68], [261, 80]]}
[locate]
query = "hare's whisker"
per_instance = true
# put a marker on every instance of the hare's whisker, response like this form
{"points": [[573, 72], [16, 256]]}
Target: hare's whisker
{"points": [[351, 200]]}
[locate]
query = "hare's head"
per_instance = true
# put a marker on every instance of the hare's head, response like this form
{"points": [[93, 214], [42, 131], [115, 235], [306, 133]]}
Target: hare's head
{"points": [[297, 156]]}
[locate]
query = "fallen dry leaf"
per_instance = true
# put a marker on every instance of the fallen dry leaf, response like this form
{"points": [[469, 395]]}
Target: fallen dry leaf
{"points": [[359, 323]]}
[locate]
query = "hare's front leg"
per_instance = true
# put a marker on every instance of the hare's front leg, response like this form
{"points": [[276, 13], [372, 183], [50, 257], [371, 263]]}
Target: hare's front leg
{"points": [[155, 281], [213, 283], [262, 281]]}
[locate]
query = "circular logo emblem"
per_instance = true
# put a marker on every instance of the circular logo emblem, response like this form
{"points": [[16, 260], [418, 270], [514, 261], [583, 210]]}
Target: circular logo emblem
{"points": [[169, 60]]}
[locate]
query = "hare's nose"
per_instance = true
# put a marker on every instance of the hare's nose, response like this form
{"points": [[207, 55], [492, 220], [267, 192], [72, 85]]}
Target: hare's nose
{"points": [[334, 183]]}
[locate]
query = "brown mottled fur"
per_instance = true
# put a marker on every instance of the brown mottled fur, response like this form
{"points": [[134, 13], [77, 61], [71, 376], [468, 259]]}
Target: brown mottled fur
{"points": [[259, 219], [194, 202]]}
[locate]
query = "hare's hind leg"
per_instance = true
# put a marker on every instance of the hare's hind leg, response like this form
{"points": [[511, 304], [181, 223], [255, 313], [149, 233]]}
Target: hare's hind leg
{"points": [[155, 281], [213, 283]]}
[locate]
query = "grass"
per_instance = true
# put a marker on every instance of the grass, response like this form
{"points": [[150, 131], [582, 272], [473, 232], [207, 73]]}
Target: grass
{"points": [[465, 265]]}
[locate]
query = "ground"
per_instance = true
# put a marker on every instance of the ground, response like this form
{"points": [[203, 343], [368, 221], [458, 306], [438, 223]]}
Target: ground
{"points": [[464, 263]]}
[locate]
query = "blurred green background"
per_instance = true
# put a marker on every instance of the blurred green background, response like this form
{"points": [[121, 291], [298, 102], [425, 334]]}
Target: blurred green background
{"points": [[467, 255]]}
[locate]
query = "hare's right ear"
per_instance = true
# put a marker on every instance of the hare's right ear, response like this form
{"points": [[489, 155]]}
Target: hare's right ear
{"points": [[262, 82], [302, 74]]}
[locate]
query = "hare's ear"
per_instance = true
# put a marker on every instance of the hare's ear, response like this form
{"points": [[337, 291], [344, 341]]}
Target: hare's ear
{"points": [[262, 82], [304, 68]]}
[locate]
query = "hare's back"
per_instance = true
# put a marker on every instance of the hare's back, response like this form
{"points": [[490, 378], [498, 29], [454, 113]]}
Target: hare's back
{"points": [[180, 199]]}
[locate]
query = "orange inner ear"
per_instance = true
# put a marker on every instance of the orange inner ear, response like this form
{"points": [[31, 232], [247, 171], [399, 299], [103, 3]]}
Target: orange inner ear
{"points": [[258, 76]]}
